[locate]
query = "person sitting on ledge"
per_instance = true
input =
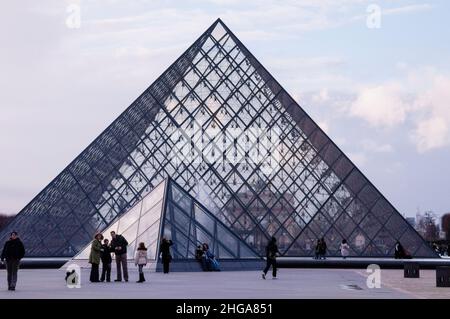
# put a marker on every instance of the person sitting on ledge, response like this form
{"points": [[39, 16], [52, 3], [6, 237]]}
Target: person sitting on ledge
{"points": [[399, 252], [199, 255]]}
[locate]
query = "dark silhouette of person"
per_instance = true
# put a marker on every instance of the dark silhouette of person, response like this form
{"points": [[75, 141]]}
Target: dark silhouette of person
{"points": [[13, 252], [106, 261], [271, 258], [165, 254], [95, 257], [119, 246], [322, 248], [317, 249], [199, 253], [399, 252]]}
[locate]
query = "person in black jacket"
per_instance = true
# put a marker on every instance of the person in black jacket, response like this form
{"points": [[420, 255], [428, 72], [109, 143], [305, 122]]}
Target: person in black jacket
{"points": [[165, 252], [271, 258], [322, 248], [119, 246], [13, 252], [106, 261]]}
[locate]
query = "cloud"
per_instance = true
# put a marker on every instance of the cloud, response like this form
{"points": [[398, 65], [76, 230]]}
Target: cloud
{"points": [[325, 126], [433, 126], [360, 159], [419, 100], [380, 106], [373, 146], [431, 133], [407, 9]]}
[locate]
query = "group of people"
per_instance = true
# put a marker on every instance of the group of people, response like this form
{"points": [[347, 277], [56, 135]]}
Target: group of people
{"points": [[101, 252], [206, 258]]}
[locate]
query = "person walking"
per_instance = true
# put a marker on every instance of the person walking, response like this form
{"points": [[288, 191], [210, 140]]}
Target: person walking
{"points": [[119, 246], [95, 256], [106, 261], [165, 254], [271, 258], [140, 260], [345, 249], [13, 252]]}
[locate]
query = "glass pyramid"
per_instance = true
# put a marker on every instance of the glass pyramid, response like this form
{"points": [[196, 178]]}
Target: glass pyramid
{"points": [[171, 212], [224, 129]]}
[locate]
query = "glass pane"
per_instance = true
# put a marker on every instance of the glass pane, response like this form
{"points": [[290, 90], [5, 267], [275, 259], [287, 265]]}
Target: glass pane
{"points": [[153, 198], [181, 220], [129, 217], [204, 219], [228, 240], [150, 217]]}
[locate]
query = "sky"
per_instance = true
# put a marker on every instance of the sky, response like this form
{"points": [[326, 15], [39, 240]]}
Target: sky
{"points": [[375, 75]]}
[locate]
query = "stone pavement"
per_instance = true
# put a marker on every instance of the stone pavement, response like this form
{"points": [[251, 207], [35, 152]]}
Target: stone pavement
{"points": [[291, 284]]}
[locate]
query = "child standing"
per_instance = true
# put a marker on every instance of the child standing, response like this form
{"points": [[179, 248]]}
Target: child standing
{"points": [[140, 260], [106, 261]]}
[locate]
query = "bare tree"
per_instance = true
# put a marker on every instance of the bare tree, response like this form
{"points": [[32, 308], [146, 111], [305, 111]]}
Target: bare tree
{"points": [[428, 227]]}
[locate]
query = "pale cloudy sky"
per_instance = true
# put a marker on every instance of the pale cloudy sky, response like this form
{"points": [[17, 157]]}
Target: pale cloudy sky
{"points": [[383, 94]]}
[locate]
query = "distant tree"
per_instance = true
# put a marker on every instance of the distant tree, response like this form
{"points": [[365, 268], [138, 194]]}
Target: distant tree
{"points": [[4, 220], [446, 225], [428, 227]]}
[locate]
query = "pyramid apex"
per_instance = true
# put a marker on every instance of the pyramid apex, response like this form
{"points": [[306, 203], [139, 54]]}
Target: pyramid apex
{"points": [[218, 22]]}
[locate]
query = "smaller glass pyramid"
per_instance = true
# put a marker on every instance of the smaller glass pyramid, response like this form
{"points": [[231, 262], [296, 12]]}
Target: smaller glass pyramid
{"points": [[169, 211]]}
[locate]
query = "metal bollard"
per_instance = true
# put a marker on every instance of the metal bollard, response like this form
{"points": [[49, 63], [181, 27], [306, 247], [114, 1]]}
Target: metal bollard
{"points": [[442, 276], [411, 270]]}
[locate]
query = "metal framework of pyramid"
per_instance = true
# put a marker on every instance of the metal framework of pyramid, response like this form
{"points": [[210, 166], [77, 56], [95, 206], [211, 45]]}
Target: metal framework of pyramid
{"points": [[224, 129], [168, 211]]}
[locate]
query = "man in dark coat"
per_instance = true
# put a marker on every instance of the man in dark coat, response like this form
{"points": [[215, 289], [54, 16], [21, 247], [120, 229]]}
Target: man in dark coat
{"points": [[165, 254], [271, 258], [106, 261], [119, 246], [13, 252]]}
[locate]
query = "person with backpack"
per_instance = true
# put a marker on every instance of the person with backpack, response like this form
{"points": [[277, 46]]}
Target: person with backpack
{"points": [[271, 258], [140, 260], [119, 246], [13, 252]]}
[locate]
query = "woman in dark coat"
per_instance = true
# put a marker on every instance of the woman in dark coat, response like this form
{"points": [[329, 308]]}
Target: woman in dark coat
{"points": [[95, 257], [165, 254]]}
